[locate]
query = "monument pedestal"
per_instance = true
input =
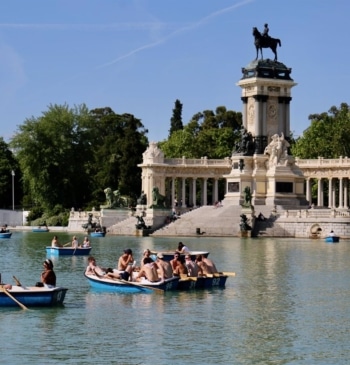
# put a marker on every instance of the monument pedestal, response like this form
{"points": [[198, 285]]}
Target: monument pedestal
{"points": [[285, 185]]}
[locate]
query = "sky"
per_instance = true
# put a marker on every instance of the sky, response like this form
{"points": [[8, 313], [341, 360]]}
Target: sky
{"points": [[139, 56]]}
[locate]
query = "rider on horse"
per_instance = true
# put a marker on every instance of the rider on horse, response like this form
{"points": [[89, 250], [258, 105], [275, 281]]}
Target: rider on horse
{"points": [[266, 30]]}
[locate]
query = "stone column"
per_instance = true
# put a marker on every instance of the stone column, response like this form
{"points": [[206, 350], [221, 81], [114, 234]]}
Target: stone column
{"points": [[215, 191], [205, 192], [308, 190], [341, 201], [173, 191], [183, 193], [330, 192], [287, 126], [194, 192], [346, 187], [319, 193], [244, 111]]}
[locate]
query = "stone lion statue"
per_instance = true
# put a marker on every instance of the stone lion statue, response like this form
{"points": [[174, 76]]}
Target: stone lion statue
{"points": [[158, 200], [109, 197], [119, 200]]}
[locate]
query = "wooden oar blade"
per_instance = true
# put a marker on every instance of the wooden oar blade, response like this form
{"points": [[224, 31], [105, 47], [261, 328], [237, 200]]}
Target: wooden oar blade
{"points": [[227, 273], [159, 291], [4, 290]]}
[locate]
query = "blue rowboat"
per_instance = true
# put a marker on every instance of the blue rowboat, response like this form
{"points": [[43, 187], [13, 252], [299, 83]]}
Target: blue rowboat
{"points": [[202, 282], [97, 234], [5, 234], [332, 239], [121, 286], [33, 296], [40, 229], [67, 251]]}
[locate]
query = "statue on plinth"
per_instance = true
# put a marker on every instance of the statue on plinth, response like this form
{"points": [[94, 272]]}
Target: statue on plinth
{"points": [[141, 224], [114, 199], [244, 226], [91, 226], [247, 203], [142, 200], [158, 200], [245, 146], [277, 150], [265, 41]]}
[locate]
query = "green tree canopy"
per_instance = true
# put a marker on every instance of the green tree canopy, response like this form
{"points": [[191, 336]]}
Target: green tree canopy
{"points": [[328, 135], [69, 155], [119, 143], [53, 151], [210, 134], [9, 164]]}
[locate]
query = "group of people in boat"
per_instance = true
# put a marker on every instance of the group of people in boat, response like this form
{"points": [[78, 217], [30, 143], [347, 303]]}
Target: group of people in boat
{"points": [[74, 243], [154, 268]]}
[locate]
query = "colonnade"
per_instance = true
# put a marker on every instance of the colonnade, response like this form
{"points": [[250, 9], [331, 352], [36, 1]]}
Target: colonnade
{"points": [[337, 189], [192, 191], [193, 182]]}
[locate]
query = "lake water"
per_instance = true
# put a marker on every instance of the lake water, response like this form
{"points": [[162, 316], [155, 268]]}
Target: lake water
{"points": [[288, 304]]}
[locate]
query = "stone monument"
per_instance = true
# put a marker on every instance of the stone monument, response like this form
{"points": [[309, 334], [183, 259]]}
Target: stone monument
{"points": [[262, 161]]}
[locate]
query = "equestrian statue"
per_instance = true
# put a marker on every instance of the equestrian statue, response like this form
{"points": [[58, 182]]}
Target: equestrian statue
{"points": [[265, 41]]}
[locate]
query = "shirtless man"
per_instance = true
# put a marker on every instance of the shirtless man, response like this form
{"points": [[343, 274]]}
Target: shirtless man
{"points": [[210, 264], [192, 267], [148, 271], [125, 265], [92, 268], [165, 270], [55, 242], [125, 260], [203, 267], [175, 261]]}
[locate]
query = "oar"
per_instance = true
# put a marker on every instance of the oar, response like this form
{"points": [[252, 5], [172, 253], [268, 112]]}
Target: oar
{"points": [[160, 291], [12, 297], [184, 277], [66, 244], [18, 283], [227, 273], [189, 278]]}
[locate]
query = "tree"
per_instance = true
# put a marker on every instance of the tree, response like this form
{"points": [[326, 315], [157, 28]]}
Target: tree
{"points": [[328, 135], [176, 119], [54, 152], [119, 141], [8, 164], [207, 134]]}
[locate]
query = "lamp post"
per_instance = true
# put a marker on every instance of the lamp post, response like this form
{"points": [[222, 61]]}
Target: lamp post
{"points": [[13, 189]]}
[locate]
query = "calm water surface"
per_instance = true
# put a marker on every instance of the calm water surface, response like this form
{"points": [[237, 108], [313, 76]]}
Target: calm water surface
{"points": [[288, 304]]}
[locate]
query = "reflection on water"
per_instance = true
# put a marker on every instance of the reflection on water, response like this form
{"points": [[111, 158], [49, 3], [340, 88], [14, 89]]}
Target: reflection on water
{"points": [[288, 304]]}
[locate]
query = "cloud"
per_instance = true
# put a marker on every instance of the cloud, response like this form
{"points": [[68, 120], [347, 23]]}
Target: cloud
{"points": [[183, 29]]}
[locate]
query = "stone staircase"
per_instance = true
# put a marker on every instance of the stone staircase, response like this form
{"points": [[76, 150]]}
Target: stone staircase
{"points": [[222, 221], [207, 220], [125, 227]]}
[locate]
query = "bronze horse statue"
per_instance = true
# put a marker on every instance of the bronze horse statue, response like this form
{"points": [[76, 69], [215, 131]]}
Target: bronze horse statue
{"points": [[265, 42]]}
